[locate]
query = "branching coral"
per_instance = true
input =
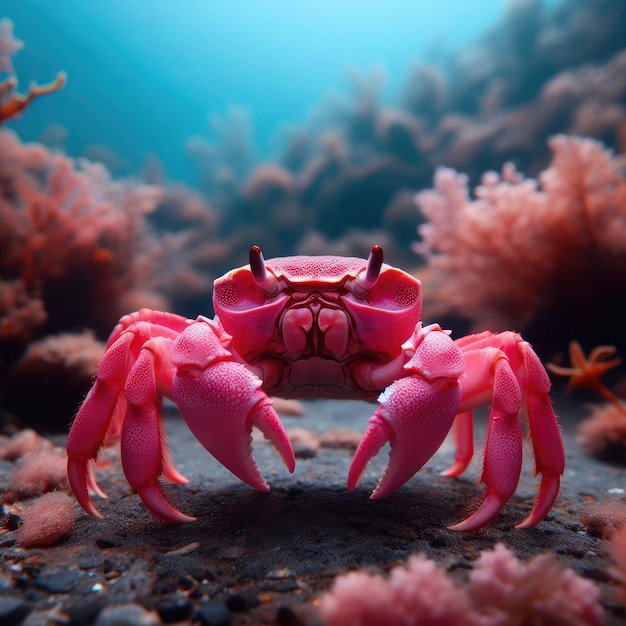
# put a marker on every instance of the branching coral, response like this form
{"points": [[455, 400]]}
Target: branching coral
{"points": [[69, 233], [11, 102], [419, 593], [501, 590], [523, 249], [9, 45]]}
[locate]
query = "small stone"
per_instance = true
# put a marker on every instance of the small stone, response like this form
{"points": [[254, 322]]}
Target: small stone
{"points": [[285, 616], [108, 542], [358, 521], [174, 608], [83, 611], [13, 611], [237, 603], [214, 614], [438, 540], [89, 558], [58, 582], [130, 614]]}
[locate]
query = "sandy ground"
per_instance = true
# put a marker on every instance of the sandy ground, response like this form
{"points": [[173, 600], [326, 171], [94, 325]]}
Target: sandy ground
{"points": [[266, 558]]}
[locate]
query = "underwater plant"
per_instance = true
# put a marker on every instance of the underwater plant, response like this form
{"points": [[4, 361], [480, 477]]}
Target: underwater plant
{"points": [[530, 254], [501, 590], [11, 102]]}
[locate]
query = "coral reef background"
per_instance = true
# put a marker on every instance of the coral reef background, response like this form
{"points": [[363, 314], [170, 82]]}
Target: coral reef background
{"points": [[134, 170], [90, 231]]}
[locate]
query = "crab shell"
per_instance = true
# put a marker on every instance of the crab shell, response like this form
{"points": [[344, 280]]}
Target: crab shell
{"points": [[316, 327], [310, 335]]}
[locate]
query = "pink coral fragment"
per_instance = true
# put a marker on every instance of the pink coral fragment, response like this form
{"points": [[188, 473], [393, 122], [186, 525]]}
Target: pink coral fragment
{"points": [[617, 549], [540, 591], [38, 473], [47, 521], [501, 590], [23, 442], [419, 593]]}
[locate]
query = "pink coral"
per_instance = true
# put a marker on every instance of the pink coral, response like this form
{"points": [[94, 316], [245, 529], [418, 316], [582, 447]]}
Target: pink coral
{"points": [[603, 433], [52, 377], [540, 591], [37, 473], [47, 521], [67, 229], [9, 45], [617, 549], [24, 442], [501, 591], [605, 519], [419, 593], [522, 247]]}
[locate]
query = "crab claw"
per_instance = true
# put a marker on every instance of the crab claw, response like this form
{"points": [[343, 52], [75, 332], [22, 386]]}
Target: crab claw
{"points": [[221, 401], [415, 416], [416, 412]]}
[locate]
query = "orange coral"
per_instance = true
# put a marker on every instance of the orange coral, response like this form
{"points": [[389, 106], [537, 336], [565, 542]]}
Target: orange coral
{"points": [[12, 103]]}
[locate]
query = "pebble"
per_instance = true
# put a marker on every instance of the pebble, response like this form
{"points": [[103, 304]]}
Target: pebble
{"points": [[130, 614], [237, 603], [58, 582], [174, 608], [214, 614], [90, 558], [13, 611], [83, 611], [285, 616]]}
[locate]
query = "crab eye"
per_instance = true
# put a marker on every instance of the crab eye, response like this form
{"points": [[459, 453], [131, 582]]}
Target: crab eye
{"points": [[264, 279], [367, 279]]}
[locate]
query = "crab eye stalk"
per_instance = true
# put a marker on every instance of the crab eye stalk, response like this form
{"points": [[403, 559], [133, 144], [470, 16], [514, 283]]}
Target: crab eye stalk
{"points": [[264, 279], [367, 279]]}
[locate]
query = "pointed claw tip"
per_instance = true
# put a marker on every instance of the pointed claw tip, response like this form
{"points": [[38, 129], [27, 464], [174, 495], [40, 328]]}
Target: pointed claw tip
{"points": [[456, 469], [462, 527], [486, 512]]}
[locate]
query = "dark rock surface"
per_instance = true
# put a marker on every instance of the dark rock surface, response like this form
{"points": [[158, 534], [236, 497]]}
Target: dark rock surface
{"points": [[266, 558]]}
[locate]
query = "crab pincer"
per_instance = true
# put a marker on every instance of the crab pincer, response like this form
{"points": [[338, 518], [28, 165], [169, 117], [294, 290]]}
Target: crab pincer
{"points": [[415, 412], [221, 400], [314, 327]]}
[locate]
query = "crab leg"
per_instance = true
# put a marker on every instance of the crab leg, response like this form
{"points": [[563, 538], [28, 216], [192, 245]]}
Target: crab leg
{"points": [[503, 451], [143, 448], [101, 415], [512, 368], [221, 401], [545, 434], [416, 412], [463, 429]]}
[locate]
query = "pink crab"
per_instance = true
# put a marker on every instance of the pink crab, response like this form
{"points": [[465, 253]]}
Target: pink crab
{"points": [[309, 327]]}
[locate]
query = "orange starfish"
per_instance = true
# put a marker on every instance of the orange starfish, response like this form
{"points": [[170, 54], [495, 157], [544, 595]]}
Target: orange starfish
{"points": [[586, 372]]}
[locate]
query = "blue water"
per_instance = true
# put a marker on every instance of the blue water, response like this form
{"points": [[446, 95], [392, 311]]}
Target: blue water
{"points": [[144, 75]]}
